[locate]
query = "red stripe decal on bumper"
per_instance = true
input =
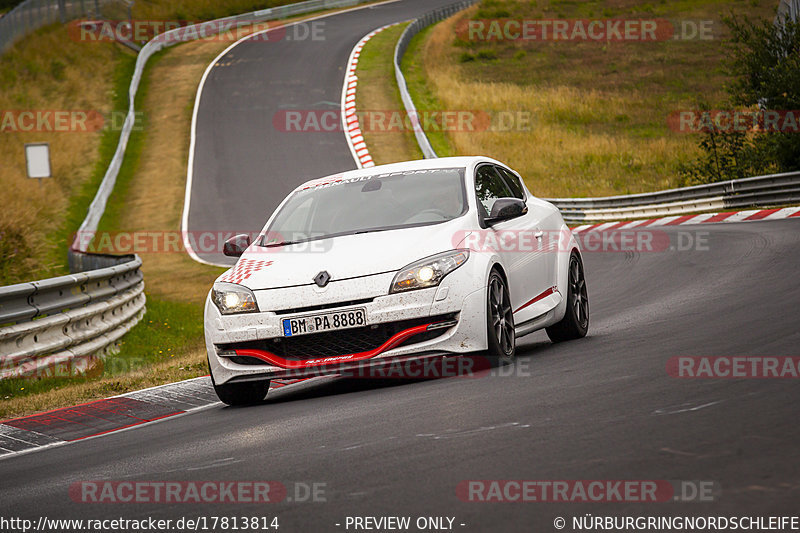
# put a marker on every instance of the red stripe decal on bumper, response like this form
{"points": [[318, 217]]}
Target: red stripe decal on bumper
{"points": [[278, 361]]}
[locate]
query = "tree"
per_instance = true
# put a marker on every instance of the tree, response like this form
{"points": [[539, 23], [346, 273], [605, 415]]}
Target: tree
{"points": [[765, 67]]}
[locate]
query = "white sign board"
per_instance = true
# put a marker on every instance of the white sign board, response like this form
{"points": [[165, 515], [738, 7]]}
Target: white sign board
{"points": [[37, 158]]}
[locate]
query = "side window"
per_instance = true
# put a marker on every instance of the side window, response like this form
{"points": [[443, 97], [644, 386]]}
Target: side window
{"points": [[489, 186], [513, 183]]}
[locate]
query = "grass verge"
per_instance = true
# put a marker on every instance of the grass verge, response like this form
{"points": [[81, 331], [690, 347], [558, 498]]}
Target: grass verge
{"points": [[378, 95], [160, 354], [414, 67]]}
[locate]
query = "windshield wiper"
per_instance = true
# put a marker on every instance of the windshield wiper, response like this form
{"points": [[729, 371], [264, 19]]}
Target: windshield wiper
{"points": [[283, 243], [375, 230]]}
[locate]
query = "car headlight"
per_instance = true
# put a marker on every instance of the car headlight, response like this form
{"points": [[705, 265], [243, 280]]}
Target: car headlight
{"points": [[231, 299], [428, 272]]}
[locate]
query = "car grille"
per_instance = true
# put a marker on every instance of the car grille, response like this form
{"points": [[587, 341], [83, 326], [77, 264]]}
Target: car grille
{"points": [[335, 343]]}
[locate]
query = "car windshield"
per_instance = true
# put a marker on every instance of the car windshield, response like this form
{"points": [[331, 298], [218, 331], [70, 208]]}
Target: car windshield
{"points": [[392, 200]]}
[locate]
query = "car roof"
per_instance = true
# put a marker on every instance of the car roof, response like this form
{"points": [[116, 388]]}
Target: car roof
{"points": [[421, 164]]}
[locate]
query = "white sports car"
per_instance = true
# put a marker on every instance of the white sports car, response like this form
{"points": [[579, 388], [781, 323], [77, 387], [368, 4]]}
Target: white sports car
{"points": [[391, 263]]}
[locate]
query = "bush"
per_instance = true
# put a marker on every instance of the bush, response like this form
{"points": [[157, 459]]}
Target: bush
{"points": [[765, 65]]}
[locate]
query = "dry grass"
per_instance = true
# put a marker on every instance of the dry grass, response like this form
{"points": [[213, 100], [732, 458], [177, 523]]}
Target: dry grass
{"points": [[48, 72], [378, 92], [598, 111], [185, 10], [169, 370]]}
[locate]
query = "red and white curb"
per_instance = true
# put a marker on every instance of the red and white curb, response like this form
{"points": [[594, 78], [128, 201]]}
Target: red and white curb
{"points": [[705, 218], [93, 419], [352, 128]]}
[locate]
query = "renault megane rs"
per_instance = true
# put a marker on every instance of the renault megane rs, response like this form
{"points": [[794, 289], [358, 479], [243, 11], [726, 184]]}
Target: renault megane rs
{"points": [[399, 262]]}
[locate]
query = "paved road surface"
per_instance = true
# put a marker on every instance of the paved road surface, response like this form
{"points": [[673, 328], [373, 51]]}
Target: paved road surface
{"points": [[600, 408]]}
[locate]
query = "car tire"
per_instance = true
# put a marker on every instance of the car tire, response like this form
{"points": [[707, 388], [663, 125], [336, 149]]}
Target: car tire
{"points": [[499, 320], [245, 393], [575, 323]]}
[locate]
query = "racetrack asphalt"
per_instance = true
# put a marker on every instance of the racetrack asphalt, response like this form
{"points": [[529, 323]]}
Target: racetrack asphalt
{"points": [[599, 408], [603, 407], [245, 162]]}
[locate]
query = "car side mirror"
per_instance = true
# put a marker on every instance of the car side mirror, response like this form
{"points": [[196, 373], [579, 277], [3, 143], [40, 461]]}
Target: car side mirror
{"points": [[236, 245], [505, 209]]}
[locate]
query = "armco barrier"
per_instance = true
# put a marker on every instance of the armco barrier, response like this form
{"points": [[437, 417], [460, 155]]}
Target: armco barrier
{"points": [[70, 321], [788, 9], [411, 30], [760, 191]]}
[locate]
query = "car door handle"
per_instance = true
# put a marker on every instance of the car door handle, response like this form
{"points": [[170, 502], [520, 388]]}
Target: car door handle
{"points": [[539, 233]]}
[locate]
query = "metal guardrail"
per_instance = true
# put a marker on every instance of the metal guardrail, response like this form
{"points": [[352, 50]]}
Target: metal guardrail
{"points": [[416, 26], [771, 190], [68, 321], [164, 40]]}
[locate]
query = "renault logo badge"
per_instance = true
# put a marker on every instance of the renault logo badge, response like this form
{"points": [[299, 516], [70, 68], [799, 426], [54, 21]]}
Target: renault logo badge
{"points": [[322, 278]]}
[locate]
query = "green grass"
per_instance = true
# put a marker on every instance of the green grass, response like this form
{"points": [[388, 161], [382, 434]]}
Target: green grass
{"points": [[169, 328], [424, 97], [167, 345], [115, 206], [162, 334], [377, 91], [48, 71]]}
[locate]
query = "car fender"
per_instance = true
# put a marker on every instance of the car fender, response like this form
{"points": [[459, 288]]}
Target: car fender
{"points": [[567, 243]]}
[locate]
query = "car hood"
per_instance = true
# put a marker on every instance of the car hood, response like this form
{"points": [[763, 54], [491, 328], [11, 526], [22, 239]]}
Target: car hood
{"points": [[348, 256]]}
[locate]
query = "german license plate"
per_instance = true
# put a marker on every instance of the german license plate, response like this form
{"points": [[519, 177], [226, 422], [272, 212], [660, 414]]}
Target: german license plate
{"points": [[352, 318]]}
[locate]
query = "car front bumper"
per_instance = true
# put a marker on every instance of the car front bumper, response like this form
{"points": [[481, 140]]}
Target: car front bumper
{"points": [[445, 320]]}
